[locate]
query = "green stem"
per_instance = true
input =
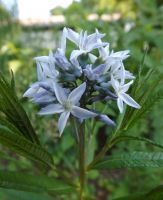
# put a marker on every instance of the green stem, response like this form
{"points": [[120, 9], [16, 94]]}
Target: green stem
{"points": [[103, 151], [82, 160]]}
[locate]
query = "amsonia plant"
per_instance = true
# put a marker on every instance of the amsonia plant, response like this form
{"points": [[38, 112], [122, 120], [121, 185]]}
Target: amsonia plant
{"points": [[78, 88]]}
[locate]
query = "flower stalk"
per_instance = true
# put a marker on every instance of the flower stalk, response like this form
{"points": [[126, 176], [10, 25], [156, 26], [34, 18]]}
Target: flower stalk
{"points": [[82, 160]]}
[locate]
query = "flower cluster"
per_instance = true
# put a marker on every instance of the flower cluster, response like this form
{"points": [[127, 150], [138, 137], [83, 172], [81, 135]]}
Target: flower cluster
{"points": [[68, 86]]}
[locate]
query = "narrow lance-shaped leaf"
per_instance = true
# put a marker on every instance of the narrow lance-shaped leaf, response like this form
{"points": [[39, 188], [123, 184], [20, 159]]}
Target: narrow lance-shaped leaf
{"points": [[140, 139], [11, 107], [21, 195], [131, 160], [24, 147], [32, 183]]}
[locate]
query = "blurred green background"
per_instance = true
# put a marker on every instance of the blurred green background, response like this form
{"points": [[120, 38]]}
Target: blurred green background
{"points": [[128, 24]]}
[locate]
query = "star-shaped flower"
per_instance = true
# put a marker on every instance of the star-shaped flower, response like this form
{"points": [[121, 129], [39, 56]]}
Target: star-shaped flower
{"points": [[120, 90], [67, 104], [86, 43]]}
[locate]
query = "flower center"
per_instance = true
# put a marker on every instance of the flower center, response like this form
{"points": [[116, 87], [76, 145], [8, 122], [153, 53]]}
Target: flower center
{"points": [[67, 105]]}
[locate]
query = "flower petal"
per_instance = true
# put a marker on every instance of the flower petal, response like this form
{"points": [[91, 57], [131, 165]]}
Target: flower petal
{"points": [[100, 69], [120, 105], [126, 86], [82, 113], [60, 93], [115, 84], [61, 59], [63, 39], [51, 109], [106, 120], [128, 100], [42, 58], [62, 121], [121, 54], [76, 94], [73, 36], [32, 90], [76, 53], [40, 74], [92, 57]]}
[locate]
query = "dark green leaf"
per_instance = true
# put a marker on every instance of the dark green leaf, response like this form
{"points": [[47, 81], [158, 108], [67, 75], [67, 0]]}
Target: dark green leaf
{"points": [[131, 160], [140, 139], [155, 194], [12, 81], [32, 183], [24, 147], [21, 195], [11, 107]]}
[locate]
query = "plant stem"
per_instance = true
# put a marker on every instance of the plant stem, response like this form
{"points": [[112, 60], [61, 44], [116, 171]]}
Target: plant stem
{"points": [[102, 153], [82, 160]]}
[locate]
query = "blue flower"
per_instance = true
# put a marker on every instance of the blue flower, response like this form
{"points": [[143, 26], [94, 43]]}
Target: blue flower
{"points": [[86, 43], [67, 104], [94, 74], [120, 90]]}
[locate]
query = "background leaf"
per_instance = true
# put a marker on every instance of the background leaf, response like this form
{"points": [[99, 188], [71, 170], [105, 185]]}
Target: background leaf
{"points": [[24, 147], [11, 107], [21, 195], [32, 183], [155, 194], [131, 160]]}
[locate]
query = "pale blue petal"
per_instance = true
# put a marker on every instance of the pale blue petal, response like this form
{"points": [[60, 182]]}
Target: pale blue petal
{"points": [[94, 38], [62, 121], [120, 105], [73, 36], [76, 94], [60, 93], [30, 92], [61, 59], [76, 53], [82, 113], [128, 100], [43, 97], [95, 46], [104, 51], [40, 74], [121, 54], [51, 109], [63, 39], [92, 57], [100, 69], [42, 58], [126, 86], [129, 75], [106, 120], [115, 84], [122, 74]]}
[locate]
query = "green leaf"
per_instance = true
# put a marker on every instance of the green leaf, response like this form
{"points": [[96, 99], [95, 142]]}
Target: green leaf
{"points": [[12, 81], [131, 160], [12, 109], [5, 122], [155, 194], [32, 183], [140, 139], [21, 195], [24, 147]]}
